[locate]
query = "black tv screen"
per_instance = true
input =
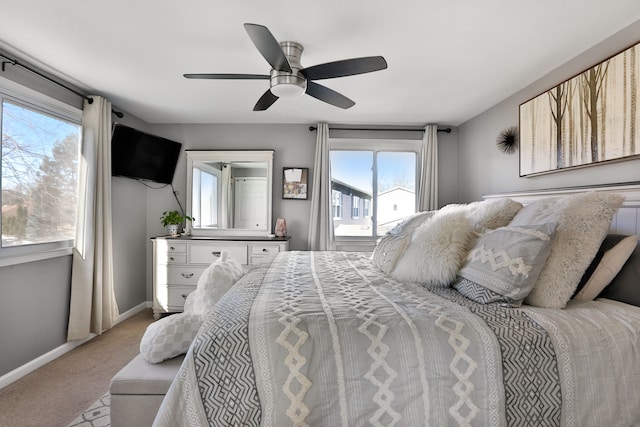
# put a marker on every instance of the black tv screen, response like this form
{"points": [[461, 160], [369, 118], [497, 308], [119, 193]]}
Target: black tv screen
{"points": [[139, 155]]}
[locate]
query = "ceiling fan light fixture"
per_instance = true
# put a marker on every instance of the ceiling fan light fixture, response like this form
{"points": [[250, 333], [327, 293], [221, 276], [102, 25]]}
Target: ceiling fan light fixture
{"points": [[288, 86]]}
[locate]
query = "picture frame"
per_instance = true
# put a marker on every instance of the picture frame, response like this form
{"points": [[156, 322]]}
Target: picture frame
{"points": [[295, 183], [589, 119]]}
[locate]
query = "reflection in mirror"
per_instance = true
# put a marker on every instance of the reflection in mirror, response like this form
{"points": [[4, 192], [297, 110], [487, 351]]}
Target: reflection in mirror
{"points": [[229, 192]]}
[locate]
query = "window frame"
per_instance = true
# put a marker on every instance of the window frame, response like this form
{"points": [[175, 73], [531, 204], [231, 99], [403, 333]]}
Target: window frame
{"points": [[376, 146], [29, 98]]}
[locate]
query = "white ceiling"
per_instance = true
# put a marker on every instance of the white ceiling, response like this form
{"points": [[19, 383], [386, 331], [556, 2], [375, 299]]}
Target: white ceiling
{"points": [[448, 60]]}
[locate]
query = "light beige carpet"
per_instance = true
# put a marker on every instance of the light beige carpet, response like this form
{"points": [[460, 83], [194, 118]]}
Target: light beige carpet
{"points": [[55, 394]]}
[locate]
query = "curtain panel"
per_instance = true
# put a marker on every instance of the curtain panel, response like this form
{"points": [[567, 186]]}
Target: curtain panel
{"points": [[93, 307]]}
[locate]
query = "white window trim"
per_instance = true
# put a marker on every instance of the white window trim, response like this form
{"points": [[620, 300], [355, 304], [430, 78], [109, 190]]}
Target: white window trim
{"points": [[13, 91], [359, 243]]}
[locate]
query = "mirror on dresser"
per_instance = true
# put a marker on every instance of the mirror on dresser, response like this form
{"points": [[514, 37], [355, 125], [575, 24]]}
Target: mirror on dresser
{"points": [[229, 192]]}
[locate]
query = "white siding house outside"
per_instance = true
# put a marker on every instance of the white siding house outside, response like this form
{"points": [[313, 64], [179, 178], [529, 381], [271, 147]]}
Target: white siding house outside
{"points": [[394, 205]]}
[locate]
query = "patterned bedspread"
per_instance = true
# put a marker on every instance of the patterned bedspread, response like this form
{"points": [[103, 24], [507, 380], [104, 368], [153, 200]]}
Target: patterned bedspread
{"points": [[325, 339]]}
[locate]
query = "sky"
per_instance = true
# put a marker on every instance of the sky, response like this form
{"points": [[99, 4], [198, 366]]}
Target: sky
{"points": [[355, 168]]}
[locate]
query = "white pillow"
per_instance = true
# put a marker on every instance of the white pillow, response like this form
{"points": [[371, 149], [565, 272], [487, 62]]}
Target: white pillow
{"points": [[583, 221], [437, 250], [213, 283], [487, 214], [609, 266], [169, 337], [172, 335]]}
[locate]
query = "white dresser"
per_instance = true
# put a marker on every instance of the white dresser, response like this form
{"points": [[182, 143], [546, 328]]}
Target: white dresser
{"points": [[179, 261]]}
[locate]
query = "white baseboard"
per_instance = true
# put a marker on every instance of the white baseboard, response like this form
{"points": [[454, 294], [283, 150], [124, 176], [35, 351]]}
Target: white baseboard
{"points": [[36, 363]]}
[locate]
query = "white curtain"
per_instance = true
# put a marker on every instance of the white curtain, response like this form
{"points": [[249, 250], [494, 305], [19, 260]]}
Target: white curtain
{"points": [[321, 237], [93, 307], [428, 190]]}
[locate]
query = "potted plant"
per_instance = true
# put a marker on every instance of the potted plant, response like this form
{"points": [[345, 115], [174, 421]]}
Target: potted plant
{"points": [[172, 220]]}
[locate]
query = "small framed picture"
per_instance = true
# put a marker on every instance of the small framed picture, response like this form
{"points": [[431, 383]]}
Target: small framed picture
{"points": [[294, 183]]}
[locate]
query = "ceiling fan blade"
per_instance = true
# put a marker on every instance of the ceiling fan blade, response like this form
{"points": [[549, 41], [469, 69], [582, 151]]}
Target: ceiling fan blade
{"points": [[268, 46], [228, 76], [266, 100], [346, 67], [329, 96]]}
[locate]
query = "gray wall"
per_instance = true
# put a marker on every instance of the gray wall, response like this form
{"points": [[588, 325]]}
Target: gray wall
{"points": [[484, 170]]}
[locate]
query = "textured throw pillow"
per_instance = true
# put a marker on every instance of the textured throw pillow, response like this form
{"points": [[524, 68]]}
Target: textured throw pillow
{"points": [[436, 251], [505, 263], [583, 220], [213, 283], [391, 247], [612, 255], [169, 337]]}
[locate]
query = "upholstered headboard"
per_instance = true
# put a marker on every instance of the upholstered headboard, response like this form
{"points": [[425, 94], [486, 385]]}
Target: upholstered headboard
{"points": [[626, 221]]}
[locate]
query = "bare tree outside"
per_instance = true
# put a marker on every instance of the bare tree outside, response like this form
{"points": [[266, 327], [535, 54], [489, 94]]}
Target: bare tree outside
{"points": [[39, 176]]}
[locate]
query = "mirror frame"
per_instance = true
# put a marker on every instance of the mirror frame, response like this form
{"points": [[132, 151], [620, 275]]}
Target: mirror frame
{"points": [[231, 156]]}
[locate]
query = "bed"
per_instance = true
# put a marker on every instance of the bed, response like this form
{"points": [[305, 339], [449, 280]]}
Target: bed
{"points": [[427, 330]]}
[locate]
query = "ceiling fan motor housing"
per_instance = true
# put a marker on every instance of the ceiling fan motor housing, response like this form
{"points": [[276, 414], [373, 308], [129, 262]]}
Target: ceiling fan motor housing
{"points": [[289, 85]]}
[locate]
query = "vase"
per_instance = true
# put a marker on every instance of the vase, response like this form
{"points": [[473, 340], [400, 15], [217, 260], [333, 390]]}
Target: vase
{"points": [[281, 227], [172, 229]]}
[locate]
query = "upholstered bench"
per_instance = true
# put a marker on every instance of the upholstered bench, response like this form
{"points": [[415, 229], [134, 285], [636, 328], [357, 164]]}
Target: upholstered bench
{"points": [[138, 390]]}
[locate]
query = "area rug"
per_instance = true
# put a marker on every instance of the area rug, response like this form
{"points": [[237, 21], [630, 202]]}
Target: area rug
{"points": [[96, 415]]}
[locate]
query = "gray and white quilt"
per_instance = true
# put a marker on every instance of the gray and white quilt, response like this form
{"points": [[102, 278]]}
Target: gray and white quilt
{"points": [[325, 339]]}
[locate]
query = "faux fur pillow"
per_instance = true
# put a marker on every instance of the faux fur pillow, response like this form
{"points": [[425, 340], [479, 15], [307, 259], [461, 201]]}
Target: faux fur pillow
{"points": [[437, 250], [487, 214], [391, 247], [583, 221]]}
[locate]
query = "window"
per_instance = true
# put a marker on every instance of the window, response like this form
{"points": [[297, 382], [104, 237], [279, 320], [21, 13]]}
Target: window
{"points": [[355, 207], [381, 182], [336, 204], [40, 153]]}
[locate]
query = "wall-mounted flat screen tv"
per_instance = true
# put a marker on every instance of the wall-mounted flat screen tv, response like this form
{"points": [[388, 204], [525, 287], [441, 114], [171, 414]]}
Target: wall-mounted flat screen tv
{"points": [[139, 155]]}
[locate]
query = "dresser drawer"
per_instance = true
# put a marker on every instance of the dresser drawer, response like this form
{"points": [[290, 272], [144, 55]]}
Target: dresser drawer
{"points": [[177, 295], [171, 258], [206, 254], [183, 275], [264, 249], [173, 248]]}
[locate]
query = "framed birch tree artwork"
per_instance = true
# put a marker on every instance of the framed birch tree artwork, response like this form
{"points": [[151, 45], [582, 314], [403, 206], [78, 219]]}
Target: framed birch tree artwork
{"points": [[588, 119]]}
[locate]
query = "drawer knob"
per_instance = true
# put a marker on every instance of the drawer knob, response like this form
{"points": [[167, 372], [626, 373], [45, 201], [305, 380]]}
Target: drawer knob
{"points": [[265, 250], [187, 275], [184, 296], [171, 258], [216, 253], [172, 248]]}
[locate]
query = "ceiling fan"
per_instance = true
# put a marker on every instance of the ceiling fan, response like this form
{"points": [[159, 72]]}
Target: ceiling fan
{"points": [[289, 79]]}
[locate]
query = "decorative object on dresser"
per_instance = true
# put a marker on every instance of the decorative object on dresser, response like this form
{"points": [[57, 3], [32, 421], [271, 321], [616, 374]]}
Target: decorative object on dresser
{"points": [[281, 227], [178, 262], [171, 220]]}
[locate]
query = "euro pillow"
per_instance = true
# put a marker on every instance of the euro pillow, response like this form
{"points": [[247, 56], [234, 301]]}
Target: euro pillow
{"points": [[436, 250], [504, 264], [583, 221], [612, 255]]}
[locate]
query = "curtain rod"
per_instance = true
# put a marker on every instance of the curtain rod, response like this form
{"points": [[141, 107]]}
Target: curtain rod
{"points": [[15, 62], [445, 130]]}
